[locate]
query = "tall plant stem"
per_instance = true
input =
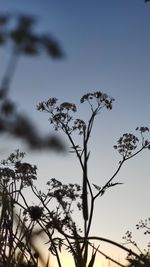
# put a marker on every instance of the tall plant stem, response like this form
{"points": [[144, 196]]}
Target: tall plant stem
{"points": [[9, 72]]}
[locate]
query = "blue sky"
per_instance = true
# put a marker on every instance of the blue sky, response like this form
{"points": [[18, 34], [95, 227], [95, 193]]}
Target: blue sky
{"points": [[107, 47]]}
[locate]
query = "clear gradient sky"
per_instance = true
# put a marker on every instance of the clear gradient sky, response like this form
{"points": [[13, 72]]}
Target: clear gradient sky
{"points": [[107, 46]]}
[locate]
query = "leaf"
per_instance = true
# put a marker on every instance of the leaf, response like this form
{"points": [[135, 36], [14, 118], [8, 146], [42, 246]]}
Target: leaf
{"points": [[97, 187], [114, 184], [91, 263]]}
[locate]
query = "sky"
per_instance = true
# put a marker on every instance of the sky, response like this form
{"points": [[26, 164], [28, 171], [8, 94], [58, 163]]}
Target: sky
{"points": [[106, 45]]}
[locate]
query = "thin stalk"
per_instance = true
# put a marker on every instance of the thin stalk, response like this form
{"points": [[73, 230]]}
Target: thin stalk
{"points": [[10, 70], [84, 190], [55, 249], [105, 186], [108, 257], [120, 165], [131, 252], [90, 218]]}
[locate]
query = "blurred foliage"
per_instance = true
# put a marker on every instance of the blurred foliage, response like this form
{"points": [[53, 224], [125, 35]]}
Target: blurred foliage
{"points": [[24, 39], [19, 35]]}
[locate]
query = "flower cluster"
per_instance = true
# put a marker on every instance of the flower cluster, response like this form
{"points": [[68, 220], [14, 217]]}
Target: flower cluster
{"points": [[60, 115], [48, 105], [127, 236], [144, 225], [62, 191], [101, 98], [67, 106], [13, 158], [23, 172], [6, 174], [26, 172], [142, 131], [35, 212], [79, 125], [126, 144]]}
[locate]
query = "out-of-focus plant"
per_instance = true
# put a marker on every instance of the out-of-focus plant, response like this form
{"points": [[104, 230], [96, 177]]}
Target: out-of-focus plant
{"points": [[18, 35]]}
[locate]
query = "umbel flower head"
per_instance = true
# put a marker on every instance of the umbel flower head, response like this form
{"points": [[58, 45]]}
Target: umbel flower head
{"points": [[35, 212]]}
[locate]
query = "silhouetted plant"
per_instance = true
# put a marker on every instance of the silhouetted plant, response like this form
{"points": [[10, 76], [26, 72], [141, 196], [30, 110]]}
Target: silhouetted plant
{"points": [[62, 118], [18, 33], [54, 215], [144, 260], [15, 245]]}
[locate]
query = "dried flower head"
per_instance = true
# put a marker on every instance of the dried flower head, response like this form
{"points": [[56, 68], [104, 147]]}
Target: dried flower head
{"points": [[35, 212], [126, 144]]}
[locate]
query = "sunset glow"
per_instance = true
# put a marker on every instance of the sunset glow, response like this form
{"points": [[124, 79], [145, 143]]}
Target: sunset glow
{"points": [[99, 185]]}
